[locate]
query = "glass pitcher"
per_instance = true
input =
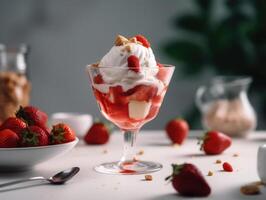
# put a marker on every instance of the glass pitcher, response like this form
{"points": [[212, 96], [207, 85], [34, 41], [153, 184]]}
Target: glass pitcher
{"points": [[14, 84], [225, 107]]}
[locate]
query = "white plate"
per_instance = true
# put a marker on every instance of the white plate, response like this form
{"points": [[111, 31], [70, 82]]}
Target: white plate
{"points": [[23, 158]]}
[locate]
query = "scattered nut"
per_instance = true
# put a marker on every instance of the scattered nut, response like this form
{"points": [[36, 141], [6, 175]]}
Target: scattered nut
{"points": [[251, 189], [210, 173], [218, 161], [141, 152], [120, 40], [105, 151], [235, 155], [128, 48], [133, 40], [148, 177]]}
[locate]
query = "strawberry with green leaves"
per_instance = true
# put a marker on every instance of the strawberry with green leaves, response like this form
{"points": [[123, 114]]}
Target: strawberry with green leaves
{"points": [[187, 180], [32, 116], [33, 136], [214, 142], [62, 133]]}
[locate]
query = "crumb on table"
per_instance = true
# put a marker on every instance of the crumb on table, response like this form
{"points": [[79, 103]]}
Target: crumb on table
{"points": [[148, 177], [251, 189], [218, 161], [210, 173]]}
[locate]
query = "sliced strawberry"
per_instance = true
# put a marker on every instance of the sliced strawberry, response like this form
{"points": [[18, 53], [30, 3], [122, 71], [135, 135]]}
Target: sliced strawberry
{"points": [[117, 95], [98, 79], [133, 63], [142, 92], [162, 73], [143, 40]]}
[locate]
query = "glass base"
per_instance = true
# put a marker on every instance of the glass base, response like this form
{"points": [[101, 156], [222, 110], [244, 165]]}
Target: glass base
{"points": [[128, 168]]}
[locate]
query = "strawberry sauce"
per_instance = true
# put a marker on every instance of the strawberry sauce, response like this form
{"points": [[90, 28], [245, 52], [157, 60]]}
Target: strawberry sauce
{"points": [[115, 104]]}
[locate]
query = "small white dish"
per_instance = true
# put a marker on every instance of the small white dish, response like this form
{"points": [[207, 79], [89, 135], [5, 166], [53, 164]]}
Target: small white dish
{"points": [[79, 122], [261, 163], [24, 158]]}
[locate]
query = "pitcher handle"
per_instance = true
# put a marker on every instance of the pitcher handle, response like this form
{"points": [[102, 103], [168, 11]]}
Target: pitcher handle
{"points": [[199, 94]]}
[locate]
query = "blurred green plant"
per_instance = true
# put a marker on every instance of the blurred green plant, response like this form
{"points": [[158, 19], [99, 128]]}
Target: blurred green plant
{"points": [[233, 43]]}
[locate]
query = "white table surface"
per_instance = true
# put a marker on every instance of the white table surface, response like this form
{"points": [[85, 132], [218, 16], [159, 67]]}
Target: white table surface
{"points": [[89, 184]]}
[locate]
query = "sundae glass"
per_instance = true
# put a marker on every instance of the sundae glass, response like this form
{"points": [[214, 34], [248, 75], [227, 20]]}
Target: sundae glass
{"points": [[129, 86]]}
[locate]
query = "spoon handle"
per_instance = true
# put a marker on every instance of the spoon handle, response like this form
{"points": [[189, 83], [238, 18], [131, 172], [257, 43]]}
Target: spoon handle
{"points": [[22, 181]]}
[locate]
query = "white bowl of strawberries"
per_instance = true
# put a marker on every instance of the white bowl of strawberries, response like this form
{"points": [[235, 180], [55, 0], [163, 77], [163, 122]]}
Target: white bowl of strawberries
{"points": [[25, 140]]}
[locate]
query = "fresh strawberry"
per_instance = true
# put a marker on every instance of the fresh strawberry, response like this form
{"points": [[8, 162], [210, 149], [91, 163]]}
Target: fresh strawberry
{"points": [[98, 79], [97, 134], [177, 130], [133, 63], [62, 133], [215, 142], [32, 115], [143, 40], [46, 129], [8, 139], [227, 167], [14, 124], [33, 136], [188, 181]]}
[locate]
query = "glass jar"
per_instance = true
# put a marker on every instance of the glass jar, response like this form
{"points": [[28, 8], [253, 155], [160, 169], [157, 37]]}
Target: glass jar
{"points": [[14, 84], [225, 106]]}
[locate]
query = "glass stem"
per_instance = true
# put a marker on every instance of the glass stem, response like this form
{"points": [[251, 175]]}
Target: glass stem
{"points": [[129, 147]]}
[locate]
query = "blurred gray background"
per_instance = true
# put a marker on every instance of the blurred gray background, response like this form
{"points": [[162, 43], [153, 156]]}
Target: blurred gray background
{"points": [[65, 35]]}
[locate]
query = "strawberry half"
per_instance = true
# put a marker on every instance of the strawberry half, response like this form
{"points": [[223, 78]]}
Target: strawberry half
{"points": [[188, 181], [32, 115], [133, 63], [33, 136], [8, 139], [62, 133], [143, 40], [14, 124], [162, 73]]}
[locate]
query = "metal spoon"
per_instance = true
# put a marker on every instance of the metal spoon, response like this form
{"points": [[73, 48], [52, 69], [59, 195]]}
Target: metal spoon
{"points": [[58, 178]]}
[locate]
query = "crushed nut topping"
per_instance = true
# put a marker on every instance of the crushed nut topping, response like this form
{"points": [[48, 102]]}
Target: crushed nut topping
{"points": [[120, 40]]}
